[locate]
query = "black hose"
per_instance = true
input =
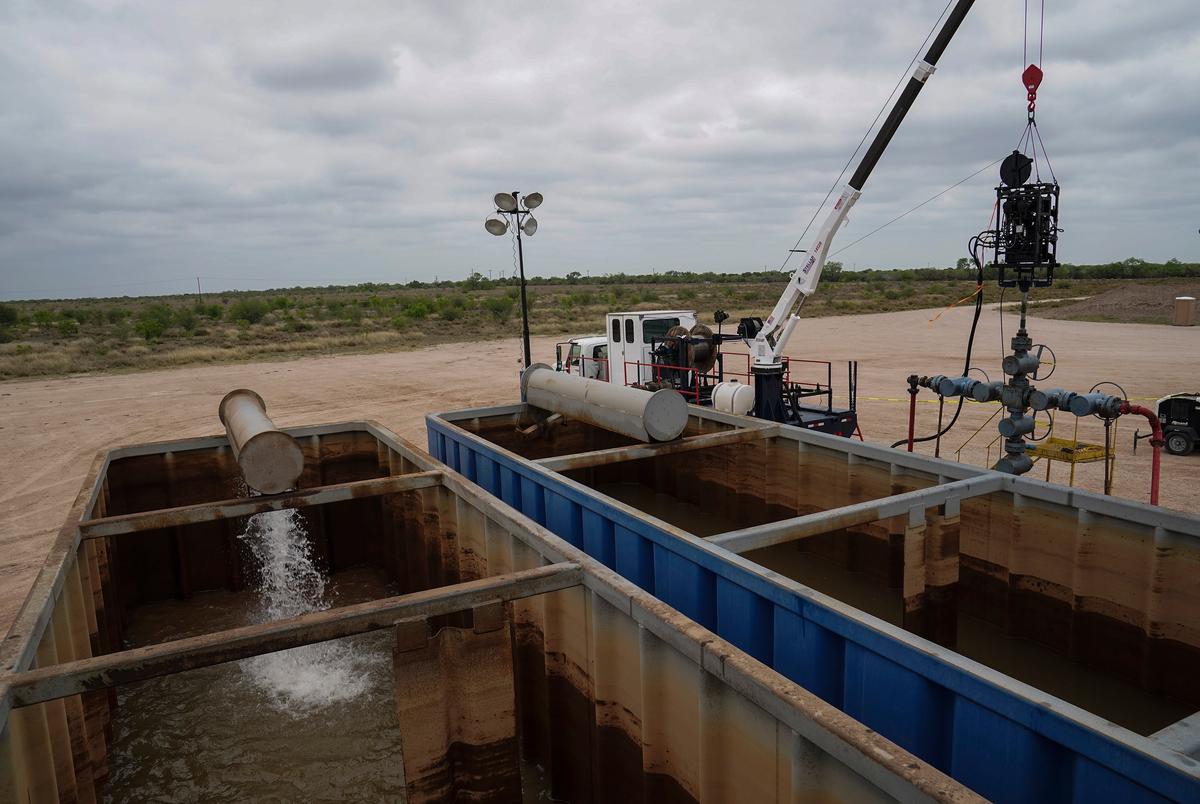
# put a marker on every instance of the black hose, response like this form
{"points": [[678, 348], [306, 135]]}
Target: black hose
{"points": [[972, 245]]}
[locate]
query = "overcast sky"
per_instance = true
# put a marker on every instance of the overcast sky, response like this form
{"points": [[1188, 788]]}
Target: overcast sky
{"points": [[266, 144]]}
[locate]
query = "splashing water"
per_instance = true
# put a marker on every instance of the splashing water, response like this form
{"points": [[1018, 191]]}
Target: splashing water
{"points": [[291, 584]]}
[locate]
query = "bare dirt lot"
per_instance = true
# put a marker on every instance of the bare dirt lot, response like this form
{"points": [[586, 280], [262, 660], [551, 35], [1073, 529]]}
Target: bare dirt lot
{"points": [[1135, 303], [52, 428]]}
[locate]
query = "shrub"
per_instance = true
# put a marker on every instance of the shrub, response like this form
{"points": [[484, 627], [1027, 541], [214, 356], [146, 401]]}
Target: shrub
{"points": [[249, 310], [185, 319], [499, 306], [8, 314], [68, 327], [154, 320], [116, 315], [74, 314], [417, 308]]}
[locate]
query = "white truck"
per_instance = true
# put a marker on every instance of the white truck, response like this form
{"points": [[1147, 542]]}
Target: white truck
{"points": [[624, 353]]}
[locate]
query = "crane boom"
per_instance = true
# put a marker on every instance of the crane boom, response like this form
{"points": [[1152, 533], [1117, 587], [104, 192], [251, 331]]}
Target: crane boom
{"points": [[767, 344]]}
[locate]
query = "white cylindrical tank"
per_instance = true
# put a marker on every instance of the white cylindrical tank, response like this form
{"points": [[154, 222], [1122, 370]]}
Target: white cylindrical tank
{"points": [[732, 396], [271, 461], [644, 415]]}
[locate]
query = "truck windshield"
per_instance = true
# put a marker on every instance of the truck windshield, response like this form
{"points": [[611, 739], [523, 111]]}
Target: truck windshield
{"points": [[657, 329]]}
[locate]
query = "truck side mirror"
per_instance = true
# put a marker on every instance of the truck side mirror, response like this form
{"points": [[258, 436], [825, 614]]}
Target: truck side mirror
{"points": [[558, 357]]}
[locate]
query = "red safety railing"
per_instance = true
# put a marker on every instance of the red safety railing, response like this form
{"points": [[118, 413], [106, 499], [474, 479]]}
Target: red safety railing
{"points": [[600, 364], [804, 386], [656, 371]]}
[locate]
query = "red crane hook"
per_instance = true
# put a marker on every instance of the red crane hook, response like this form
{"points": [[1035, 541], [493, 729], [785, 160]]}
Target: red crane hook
{"points": [[1032, 79]]}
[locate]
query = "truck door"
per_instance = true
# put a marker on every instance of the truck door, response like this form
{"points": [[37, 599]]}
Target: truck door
{"points": [[633, 350], [600, 362]]}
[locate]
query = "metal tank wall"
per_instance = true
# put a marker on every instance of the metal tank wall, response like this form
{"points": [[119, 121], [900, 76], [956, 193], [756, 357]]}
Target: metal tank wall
{"points": [[509, 644], [1110, 581]]}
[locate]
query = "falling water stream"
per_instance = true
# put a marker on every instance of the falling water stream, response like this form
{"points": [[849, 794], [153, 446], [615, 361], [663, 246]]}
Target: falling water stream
{"points": [[316, 723], [290, 584]]}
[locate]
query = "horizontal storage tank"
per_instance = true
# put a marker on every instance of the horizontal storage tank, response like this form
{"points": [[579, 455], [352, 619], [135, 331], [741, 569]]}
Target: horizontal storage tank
{"points": [[460, 652], [967, 615]]}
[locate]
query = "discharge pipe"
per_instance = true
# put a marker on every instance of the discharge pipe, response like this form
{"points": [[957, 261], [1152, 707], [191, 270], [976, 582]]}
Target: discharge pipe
{"points": [[913, 382], [1156, 441], [271, 461], [643, 415]]}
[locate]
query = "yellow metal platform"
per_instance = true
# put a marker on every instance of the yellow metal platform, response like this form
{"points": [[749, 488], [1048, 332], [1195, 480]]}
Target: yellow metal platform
{"points": [[1066, 449]]}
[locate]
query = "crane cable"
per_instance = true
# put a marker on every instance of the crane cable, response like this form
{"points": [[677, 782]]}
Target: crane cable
{"points": [[883, 108], [1031, 77]]}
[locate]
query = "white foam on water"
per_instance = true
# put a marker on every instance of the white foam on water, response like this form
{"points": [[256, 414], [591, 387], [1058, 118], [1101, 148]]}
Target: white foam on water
{"points": [[291, 584]]}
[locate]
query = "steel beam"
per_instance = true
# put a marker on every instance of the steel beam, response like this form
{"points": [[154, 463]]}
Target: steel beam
{"points": [[177, 656], [603, 457], [803, 527], [1182, 736], [230, 509]]}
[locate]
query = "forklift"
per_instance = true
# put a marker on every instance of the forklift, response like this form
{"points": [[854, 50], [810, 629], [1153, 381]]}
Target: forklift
{"points": [[1180, 417]]}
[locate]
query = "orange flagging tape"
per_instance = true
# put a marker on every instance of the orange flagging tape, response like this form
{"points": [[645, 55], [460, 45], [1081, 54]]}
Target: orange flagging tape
{"points": [[978, 290]]}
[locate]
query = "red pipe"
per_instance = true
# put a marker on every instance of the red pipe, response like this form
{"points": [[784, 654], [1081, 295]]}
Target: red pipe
{"points": [[1156, 441]]}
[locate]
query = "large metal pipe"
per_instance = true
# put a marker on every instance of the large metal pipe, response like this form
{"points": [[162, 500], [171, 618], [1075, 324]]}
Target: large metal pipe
{"points": [[644, 415], [271, 460]]}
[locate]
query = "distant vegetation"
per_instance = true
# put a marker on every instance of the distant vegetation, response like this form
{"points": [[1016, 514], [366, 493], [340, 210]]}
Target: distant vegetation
{"points": [[51, 337]]}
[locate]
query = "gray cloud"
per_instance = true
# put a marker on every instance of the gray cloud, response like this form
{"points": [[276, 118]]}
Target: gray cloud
{"points": [[279, 143], [318, 66]]}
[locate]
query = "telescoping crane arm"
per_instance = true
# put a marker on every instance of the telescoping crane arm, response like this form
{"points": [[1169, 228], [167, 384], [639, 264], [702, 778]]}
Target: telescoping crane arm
{"points": [[768, 343]]}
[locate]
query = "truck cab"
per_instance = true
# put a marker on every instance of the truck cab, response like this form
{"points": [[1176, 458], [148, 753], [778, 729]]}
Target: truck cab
{"points": [[585, 356], [631, 336]]}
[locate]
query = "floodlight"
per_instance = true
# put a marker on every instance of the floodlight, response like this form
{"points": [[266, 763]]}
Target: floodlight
{"points": [[530, 226], [533, 200], [506, 202], [496, 226]]}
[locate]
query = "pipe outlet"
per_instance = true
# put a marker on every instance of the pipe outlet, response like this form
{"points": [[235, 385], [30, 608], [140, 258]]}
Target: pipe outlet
{"points": [[271, 461]]}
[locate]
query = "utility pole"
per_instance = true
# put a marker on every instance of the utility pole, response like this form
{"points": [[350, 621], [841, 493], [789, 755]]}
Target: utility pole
{"points": [[199, 294]]}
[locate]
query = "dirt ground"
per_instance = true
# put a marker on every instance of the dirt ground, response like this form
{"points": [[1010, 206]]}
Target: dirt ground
{"points": [[53, 428], [1148, 303]]}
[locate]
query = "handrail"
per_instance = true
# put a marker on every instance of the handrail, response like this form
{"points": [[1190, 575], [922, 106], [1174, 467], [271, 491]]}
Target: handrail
{"points": [[963, 445], [657, 370]]}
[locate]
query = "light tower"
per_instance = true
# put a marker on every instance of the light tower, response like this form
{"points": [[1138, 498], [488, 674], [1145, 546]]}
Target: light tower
{"points": [[516, 211]]}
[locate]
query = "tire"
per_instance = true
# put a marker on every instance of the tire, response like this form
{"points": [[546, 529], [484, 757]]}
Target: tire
{"points": [[1179, 443]]}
